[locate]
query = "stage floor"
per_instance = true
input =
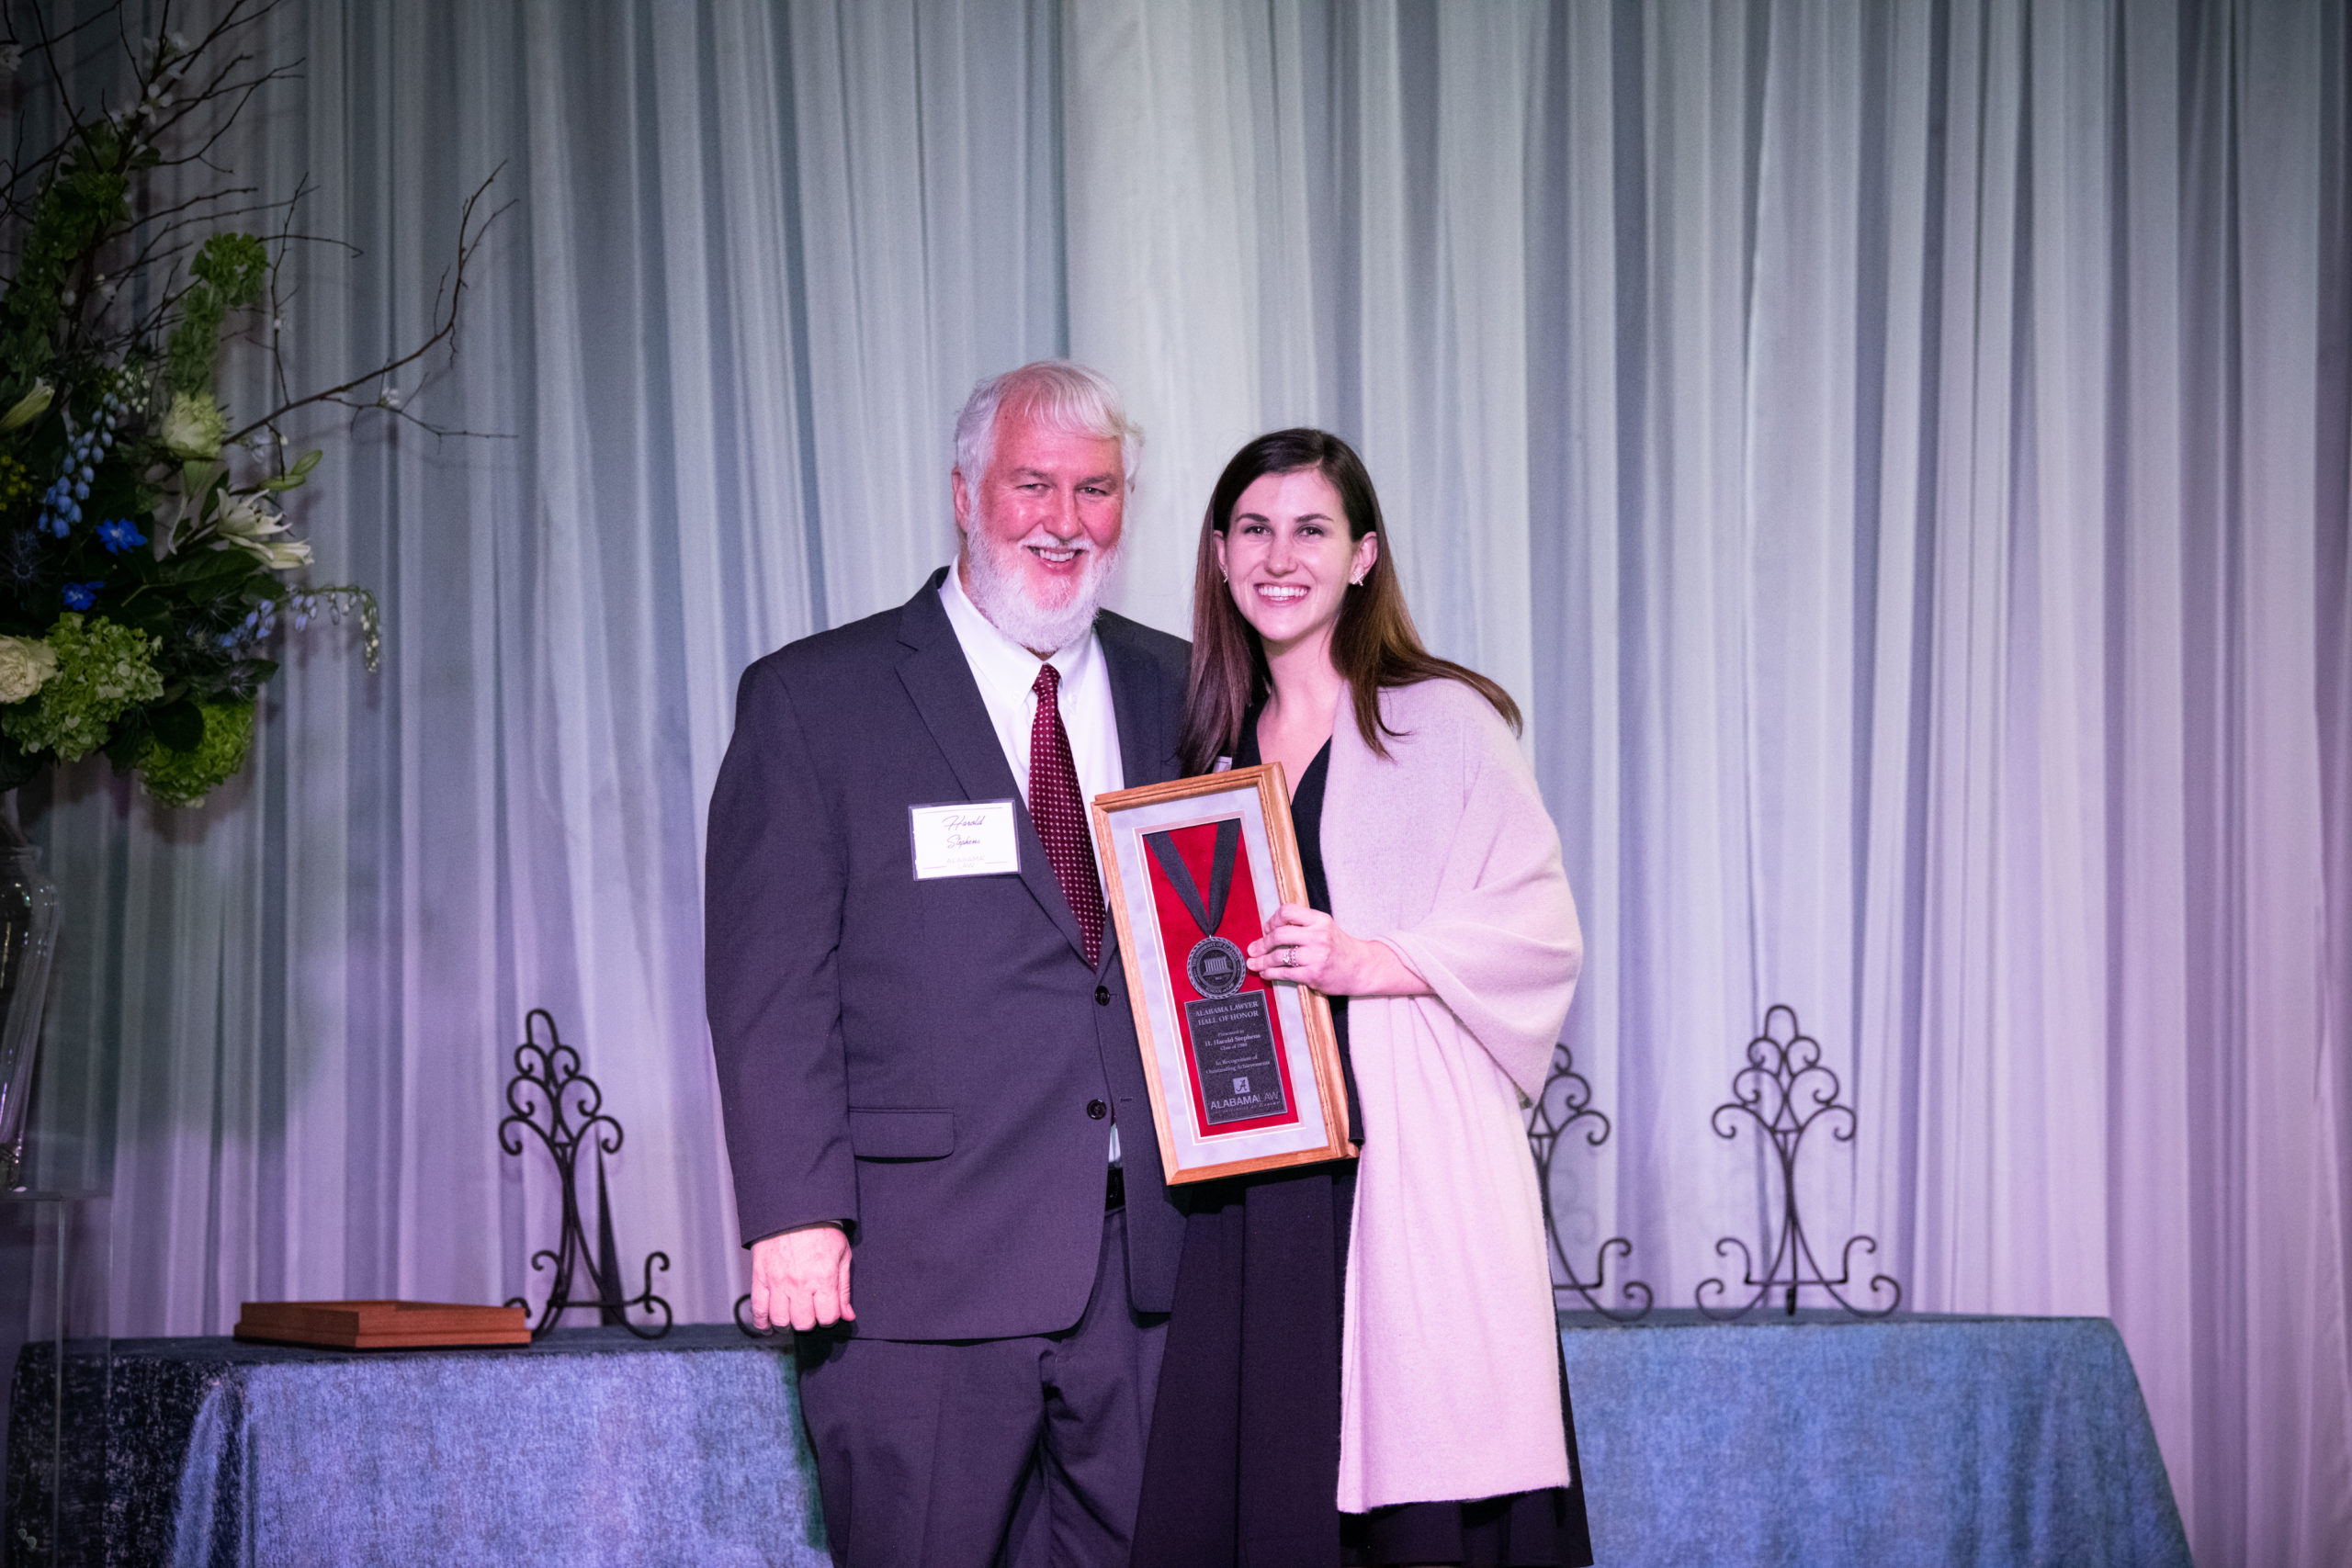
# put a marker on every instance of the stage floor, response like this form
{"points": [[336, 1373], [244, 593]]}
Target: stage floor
{"points": [[1822, 1441]]}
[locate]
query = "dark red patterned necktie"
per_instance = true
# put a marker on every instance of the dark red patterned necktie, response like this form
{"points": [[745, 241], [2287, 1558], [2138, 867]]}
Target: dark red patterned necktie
{"points": [[1059, 812]]}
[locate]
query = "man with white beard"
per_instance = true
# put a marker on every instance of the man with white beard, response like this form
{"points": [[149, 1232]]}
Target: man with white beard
{"points": [[922, 1032]]}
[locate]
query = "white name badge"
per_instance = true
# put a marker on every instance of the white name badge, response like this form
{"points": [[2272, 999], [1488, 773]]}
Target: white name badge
{"points": [[974, 840]]}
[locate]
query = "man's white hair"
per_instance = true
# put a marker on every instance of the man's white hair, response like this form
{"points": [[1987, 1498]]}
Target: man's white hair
{"points": [[1058, 395]]}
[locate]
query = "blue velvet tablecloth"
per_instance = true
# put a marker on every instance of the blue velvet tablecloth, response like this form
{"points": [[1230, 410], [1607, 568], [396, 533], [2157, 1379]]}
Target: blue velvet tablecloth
{"points": [[590, 1447], [1990, 1442], [1822, 1442]]}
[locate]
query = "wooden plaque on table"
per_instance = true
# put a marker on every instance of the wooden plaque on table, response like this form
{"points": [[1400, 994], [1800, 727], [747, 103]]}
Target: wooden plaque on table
{"points": [[382, 1325], [1244, 1072]]}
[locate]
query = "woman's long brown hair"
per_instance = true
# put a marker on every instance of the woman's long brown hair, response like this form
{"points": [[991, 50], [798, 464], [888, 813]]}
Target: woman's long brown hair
{"points": [[1374, 645]]}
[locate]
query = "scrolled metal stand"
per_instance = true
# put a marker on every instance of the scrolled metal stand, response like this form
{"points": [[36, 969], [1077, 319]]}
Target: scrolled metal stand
{"points": [[547, 1083], [1567, 1101], [1784, 1090]]}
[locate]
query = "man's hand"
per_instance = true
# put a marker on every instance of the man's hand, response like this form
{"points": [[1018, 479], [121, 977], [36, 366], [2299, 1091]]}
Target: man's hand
{"points": [[800, 1276]]}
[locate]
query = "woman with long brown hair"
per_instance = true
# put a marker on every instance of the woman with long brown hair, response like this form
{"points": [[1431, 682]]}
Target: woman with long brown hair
{"points": [[1363, 1365]]}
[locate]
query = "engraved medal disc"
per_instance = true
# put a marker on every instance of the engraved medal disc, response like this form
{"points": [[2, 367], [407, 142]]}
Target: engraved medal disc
{"points": [[1214, 967]]}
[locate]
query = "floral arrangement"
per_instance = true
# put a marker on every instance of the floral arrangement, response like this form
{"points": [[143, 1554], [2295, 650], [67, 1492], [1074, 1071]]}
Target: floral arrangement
{"points": [[147, 561]]}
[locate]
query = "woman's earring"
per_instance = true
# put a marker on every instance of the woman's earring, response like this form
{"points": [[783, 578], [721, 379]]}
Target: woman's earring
{"points": [[1356, 581]]}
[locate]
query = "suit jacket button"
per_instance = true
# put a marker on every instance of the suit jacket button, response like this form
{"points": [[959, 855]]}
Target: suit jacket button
{"points": [[1102, 996], [1097, 1110]]}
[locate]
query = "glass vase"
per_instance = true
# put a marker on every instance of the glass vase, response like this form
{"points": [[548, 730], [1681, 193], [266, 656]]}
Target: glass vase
{"points": [[27, 938]]}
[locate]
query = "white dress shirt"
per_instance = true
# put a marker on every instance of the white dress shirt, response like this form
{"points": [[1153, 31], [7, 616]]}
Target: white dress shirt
{"points": [[1007, 675]]}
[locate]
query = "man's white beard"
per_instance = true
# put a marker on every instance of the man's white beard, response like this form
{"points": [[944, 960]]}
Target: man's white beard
{"points": [[994, 579]]}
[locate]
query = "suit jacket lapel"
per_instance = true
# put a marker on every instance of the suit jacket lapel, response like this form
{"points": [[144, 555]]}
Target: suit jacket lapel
{"points": [[1147, 743], [1147, 732], [939, 682]]}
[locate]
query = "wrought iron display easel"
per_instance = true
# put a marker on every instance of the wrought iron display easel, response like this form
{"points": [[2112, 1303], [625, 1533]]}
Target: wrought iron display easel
{"points": [[548, 1086], [1565, 1101], [1785, 1090]]}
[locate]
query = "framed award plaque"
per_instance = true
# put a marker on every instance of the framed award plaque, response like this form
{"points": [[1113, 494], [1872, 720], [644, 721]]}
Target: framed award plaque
{"points": [[1244, 1071]]}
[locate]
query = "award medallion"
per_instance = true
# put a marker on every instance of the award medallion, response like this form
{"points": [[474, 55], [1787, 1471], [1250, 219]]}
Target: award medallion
{"points": [[1215, 968]]}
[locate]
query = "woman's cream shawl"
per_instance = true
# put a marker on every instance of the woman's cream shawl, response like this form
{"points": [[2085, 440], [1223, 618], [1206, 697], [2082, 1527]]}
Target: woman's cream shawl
{"points": [[1450, 1353]]}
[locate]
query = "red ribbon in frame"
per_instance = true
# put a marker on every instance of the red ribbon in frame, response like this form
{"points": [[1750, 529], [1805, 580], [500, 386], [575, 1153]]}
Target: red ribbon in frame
{"points": [[1206, 903]]}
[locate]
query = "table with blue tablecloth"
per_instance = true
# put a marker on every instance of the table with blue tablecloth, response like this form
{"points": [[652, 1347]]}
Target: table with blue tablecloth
{"points": [[1827, 1440], [1820, 1440], [589, 1447]]}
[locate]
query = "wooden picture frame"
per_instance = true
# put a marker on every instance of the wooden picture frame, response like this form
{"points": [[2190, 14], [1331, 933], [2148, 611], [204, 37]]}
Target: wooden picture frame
{"points": [[1244, 1072]]}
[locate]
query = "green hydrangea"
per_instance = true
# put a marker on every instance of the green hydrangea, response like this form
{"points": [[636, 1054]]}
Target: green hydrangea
{"points": [[102, 670], [194, 427], [184, 778]]}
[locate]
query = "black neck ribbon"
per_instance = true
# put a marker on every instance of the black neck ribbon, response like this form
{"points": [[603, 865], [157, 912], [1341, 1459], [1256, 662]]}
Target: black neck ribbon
{"points": [[1211, 915]]}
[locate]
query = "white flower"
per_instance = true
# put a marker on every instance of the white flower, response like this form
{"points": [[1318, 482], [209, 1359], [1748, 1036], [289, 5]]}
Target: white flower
{"points": [[248, 523], [288, 555], [244, 515], [29, 406], [25, 665]]}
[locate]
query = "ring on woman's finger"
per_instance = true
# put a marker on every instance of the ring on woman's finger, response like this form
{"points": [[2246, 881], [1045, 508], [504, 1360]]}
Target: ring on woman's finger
{"points": [[1290, 957]]}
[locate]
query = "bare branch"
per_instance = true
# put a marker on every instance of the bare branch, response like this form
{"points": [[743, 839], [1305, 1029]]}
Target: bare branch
{"points": [[328, 240], [439, 432], [48, 45], [470, 234], [214, 97]]}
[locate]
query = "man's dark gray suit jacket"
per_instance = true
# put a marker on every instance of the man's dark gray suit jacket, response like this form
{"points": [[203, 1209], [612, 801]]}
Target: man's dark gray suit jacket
{"points": [[920, 1058]]}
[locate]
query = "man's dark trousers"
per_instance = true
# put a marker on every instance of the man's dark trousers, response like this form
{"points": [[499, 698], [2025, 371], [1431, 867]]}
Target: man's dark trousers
{"points": [[1020, 1452], [936, 1064]]}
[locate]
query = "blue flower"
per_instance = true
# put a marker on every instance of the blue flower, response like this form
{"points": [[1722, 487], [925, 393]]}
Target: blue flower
{"points": [[119, 536], [82, 595]]}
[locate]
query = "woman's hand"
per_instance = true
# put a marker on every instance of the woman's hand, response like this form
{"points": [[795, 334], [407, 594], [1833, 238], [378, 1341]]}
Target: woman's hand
{"points": [[1306, 947]]}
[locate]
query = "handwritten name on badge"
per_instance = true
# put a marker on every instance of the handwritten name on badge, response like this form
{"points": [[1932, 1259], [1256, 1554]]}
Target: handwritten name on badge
{"points": [[973, 839]]}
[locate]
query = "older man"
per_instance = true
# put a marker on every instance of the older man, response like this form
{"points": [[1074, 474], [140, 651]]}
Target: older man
{"points": [[923, 1036]]}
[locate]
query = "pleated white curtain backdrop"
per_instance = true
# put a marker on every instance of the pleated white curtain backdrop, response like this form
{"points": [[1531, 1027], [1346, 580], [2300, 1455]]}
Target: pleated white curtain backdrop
{"points": [[1899, 454]]}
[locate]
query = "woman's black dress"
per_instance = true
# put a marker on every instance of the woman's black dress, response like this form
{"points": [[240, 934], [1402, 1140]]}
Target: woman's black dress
{"points": [[1243, 1465]]}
